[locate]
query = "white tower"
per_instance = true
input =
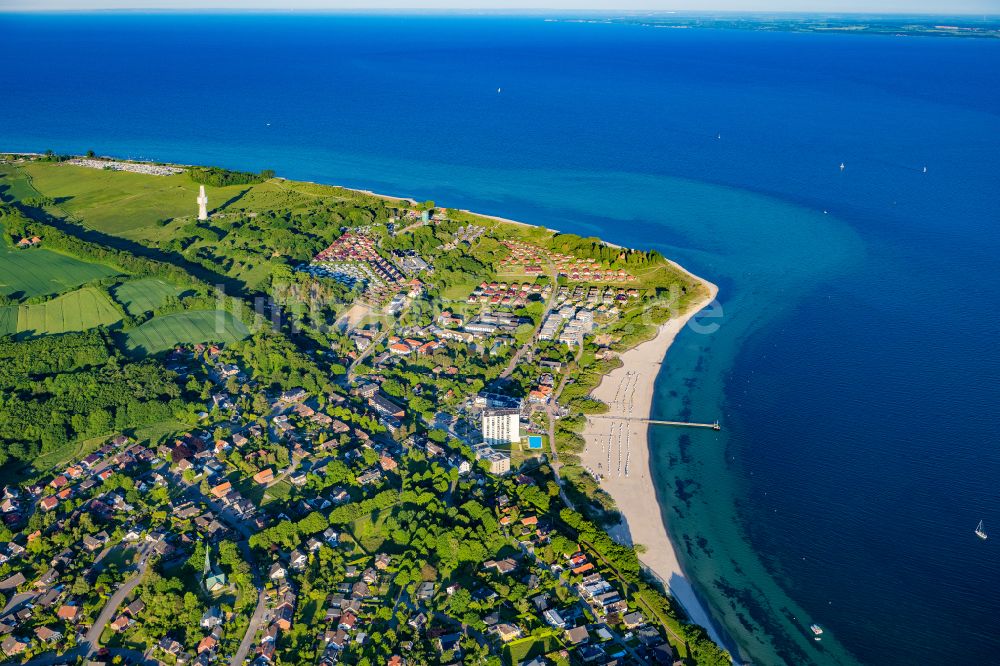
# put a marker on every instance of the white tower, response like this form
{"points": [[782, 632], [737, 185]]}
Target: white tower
{"points": [[202, 204]]}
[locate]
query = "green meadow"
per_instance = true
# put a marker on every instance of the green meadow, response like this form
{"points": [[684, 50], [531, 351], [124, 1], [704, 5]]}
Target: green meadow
{"points": [[163, 333], [145, 295], [119, 202], [76, 311], [29, 272], [14, 186], [8, 320]]}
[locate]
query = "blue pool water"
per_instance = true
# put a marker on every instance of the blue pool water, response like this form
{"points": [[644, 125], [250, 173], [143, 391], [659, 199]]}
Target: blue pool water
{"points": [[855, 369], [534, 442]]}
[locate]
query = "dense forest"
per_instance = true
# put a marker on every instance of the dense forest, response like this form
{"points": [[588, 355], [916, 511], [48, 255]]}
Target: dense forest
{"points": [[61, 388], [217, 177]]}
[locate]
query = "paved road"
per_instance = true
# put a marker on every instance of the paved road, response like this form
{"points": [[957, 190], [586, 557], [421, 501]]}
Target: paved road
{"points": [[260, 615], [133, 657], [349, 375], [107, 613], [516, 358], [90, 644]]}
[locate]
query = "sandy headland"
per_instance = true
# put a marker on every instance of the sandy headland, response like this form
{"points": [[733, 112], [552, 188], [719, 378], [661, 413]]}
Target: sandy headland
{"points": [[617, 449]]}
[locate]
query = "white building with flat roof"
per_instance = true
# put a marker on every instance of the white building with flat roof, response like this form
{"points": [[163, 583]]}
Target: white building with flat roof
{"points": [[501, 426], [498, 461]]}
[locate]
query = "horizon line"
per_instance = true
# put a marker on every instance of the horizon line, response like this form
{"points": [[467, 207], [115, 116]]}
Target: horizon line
{"points": [[480, 10]]}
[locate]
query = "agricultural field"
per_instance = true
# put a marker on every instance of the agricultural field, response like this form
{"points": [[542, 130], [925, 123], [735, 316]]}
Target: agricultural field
{"points": [[8, 320], [14, 186], [121, 203], [76, 311], [138, 296], [163, 333], [25, 273]]}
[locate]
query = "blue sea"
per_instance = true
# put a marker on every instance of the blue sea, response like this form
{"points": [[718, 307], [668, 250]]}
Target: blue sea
{"points": [[855, 369]]}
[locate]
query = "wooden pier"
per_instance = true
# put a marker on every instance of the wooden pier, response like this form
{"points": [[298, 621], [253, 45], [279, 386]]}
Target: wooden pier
{"points": [[680, 424]]}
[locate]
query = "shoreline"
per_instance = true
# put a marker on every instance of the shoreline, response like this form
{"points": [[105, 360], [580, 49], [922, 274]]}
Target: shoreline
{"points": [[615, 447], [640, 367]]}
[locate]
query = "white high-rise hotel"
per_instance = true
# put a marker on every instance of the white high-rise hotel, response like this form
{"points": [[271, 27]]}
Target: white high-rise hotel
{"points": [[501, 426]]}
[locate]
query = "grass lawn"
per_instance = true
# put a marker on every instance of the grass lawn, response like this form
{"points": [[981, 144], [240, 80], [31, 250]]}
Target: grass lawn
{"points": [[279, 491], [76, 311], [122, 203], [8, 320], [145, 295], [29, 272], [163, 333], [247, 487], [156, 433], [458, 292], [524, 649], [276, 194], [16, 471], [368, 531], [121, 556], [13, 184]]}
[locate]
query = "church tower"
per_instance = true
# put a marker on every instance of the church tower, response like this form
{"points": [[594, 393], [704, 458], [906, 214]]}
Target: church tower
{"points": [[202, 204]]}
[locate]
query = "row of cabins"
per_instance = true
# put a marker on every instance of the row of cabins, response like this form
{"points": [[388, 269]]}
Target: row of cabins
{"points": [[353, 247], [594, 295], [512, 295], [529, 257]]}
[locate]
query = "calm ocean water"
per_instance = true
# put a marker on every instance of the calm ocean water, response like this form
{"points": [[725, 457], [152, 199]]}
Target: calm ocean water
{"points": [[855, 369]]}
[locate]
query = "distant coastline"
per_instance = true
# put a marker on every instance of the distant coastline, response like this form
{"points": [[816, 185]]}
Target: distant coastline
{"points": [[977, 26]]}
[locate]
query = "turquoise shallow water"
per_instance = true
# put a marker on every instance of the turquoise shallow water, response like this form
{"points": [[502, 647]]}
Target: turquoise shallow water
{"points": [[855, 368]]}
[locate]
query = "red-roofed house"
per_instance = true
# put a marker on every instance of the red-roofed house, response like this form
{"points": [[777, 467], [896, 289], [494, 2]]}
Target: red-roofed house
{"points": [[222, 489]]}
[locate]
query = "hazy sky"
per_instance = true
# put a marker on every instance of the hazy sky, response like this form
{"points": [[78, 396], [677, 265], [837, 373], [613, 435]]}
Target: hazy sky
{"points": [[906, 6]]}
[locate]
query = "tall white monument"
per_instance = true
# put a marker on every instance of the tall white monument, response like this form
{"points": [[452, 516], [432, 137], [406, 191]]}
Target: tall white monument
{"points": [[202, 204]]}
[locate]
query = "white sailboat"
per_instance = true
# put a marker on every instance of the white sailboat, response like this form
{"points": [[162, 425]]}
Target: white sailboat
{"points": [[980, 532], [842, 166]]}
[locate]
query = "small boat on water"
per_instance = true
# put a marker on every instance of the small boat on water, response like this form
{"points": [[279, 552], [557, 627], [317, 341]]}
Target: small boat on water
{"points": [[817, 631], [980, 532], [842, 166]]}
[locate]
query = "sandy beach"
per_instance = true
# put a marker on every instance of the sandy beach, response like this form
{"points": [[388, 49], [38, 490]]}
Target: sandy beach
{"points": [[618, 449]]}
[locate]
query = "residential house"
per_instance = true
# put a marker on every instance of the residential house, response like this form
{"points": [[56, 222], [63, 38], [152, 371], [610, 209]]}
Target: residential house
{"points": [[121, 623], [48, 635], [577, 635], [507, 632], [221, 490], [298, 560], [633, 619], [68, 613]]}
